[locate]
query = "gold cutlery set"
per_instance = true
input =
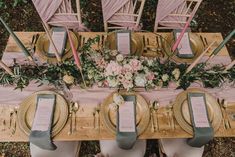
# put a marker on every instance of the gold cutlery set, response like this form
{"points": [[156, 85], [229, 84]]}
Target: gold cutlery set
{"points": [[96, 116], [167, 114], [100, 42], [157, 47], [226, 115], [9, 124], [73, 108]]}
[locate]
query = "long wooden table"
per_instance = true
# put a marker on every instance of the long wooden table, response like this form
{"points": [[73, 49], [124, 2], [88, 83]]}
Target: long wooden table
{"points": [[11, 98]]}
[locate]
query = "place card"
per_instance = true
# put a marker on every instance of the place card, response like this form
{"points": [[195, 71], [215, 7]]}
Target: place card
{"points": [[184, 47], [59, 37], [44, 111], [124, 42], [199, 109], [127, 117]]}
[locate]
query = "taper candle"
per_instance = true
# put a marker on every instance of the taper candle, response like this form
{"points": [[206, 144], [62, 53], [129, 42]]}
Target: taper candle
{"points": [[174, 47], [221, 45], [17, 40], [5, 67]]}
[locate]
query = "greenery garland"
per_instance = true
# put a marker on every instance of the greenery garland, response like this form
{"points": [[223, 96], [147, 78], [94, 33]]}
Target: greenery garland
{"points": [[152, 73]]}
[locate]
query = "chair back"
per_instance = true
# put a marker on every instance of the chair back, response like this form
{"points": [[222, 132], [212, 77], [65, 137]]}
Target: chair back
{"points": [[60, 13], [173, 14], [124, 14]]}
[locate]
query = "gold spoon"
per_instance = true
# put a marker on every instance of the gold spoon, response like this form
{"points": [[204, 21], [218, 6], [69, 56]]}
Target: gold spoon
{"points": [[70, 117], [75, 109], [156, 106]]}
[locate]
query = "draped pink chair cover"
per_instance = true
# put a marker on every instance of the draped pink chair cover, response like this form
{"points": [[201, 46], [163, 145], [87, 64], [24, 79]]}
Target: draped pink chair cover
{"points": [[47, 11], [175, 12], [165, 7], [111, 7]]}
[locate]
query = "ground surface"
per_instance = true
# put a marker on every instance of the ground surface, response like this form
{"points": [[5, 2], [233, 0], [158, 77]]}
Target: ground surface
{"points": [[212, 16]]}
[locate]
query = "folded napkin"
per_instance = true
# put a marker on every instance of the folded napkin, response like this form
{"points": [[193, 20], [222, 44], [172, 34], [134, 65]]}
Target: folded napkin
{"points": [[184, 49], [41, 129], [126, 133], [203, 132]]}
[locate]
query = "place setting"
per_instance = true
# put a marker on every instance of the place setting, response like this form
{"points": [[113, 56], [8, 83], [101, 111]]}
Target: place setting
{"points": [[28, 108], [109, 110], [118, 87]]}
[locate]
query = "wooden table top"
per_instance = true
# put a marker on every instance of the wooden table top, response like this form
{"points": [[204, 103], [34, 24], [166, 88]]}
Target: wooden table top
{"points": [[85, 118]]}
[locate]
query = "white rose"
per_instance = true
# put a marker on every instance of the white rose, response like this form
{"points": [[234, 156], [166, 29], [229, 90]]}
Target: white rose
{"points": [[90, 74], [112, 82], [165, 77], [176, 73], [150, 62], [140, 80], [178, 83], [113, 52], [68, 79], [119, 57], [128, 76], [100, 84], [118, 99], [129, 86]]}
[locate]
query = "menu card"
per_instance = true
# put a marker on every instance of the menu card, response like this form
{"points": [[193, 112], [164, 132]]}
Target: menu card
{"points": [[127, 117], [199, 111], [184, 48], [44, 111], [59, 37], [124, 42]]}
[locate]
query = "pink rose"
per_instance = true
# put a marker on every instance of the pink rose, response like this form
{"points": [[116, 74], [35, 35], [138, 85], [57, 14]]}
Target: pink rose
{"points": [[113, 68], [101, 63], [135, 64], [150, 76], [127, 68], [127, 84]]}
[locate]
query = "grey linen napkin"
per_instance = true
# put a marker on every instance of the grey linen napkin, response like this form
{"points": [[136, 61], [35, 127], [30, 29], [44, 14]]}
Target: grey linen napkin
{"points": [[126, 140], [202, 135], [39, 138]]}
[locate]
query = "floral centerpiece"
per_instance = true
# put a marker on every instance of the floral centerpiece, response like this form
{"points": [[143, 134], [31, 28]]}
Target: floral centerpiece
{"points": [[109, 68]]}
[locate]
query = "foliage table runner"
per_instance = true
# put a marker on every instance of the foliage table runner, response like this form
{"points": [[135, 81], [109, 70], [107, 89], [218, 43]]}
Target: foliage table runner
{"points": [[89, 99]]}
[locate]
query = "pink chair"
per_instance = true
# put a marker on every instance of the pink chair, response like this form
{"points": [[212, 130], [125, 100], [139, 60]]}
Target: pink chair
{"points": [[173, 14], [178, 148], [60, 13], [122, 14]]}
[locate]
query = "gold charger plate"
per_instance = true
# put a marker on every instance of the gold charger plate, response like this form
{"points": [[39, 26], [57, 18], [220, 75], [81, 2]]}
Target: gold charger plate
{"points": [[182, 115], [42, 47], [27, 110], [137, 46], [108, 114], [196, 44]]}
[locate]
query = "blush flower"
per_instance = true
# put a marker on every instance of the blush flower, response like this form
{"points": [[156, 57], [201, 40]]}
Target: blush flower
{"points": [[150, 76], [113, 69], [127, 84], [135, 64], [101, 63]]}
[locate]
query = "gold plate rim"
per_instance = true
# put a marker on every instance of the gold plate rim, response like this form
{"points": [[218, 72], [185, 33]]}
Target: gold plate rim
{"points": [[43, 40], [30, 100], [137, 42], [143, 123], [197, 47], [177, 109]]}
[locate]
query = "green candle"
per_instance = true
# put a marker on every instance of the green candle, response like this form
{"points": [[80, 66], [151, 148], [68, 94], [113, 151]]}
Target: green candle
{"points": [[216, 51], [18, 42]]}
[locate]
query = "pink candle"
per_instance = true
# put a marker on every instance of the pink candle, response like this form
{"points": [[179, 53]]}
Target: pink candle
{"points": [[75, 53], [181, 34]]}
